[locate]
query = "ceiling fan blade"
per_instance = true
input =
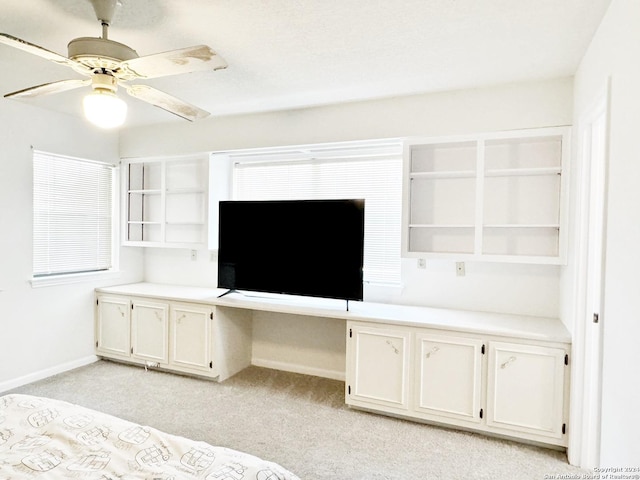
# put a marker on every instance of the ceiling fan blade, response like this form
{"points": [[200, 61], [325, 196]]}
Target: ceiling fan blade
{"points": [[47, 88], [44, 53], [175, 62], [166, 102]]}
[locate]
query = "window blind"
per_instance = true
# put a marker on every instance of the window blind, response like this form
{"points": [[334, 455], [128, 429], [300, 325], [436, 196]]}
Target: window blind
{"points": [[72, 215], [372, 171]]}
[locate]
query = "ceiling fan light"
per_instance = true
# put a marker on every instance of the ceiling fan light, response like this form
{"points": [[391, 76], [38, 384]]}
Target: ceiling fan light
{"points": [[104, 109]]}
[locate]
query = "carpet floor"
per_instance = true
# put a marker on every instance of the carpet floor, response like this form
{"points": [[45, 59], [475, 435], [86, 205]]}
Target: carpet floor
{"points": [[300, 422]]}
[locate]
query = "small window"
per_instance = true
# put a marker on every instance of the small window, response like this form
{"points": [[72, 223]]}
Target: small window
{"points": [[369, 170], [72, 215]]}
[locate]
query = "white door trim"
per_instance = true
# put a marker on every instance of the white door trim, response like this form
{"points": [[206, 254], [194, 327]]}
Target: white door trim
{"points": [[588, 281]]}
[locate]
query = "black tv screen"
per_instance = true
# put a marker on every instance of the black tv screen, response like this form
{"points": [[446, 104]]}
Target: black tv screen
{"points": [[297, 247]]}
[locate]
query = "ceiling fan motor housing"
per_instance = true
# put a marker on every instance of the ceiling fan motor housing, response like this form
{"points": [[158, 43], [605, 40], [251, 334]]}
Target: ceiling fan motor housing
{"points": [[100, 53]]}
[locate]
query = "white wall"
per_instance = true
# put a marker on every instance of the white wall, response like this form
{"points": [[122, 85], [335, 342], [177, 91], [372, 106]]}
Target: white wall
{"points": [[48, 329], [525, 289], [509, 288], [505, 107], [615, 53]]}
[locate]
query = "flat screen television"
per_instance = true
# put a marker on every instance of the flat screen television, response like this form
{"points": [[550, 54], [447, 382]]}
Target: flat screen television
{"points": [[297, 247]]}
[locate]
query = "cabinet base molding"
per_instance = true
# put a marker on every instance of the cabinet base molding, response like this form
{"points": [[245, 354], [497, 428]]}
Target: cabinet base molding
{"points": [[162, 368], [462, 428]]}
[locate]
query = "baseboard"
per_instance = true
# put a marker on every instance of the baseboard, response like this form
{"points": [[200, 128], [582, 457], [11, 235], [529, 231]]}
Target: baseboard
{"points": [[296, 368], [42, 374]]}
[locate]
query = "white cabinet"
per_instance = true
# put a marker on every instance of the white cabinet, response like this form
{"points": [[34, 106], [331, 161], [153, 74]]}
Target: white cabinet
{"points": [[378, 363], [165, 202], [191, 328], [448, 376], [498, 374], [495, 197], [113, 326], [175, 336], [526, 386], [150, 331], [503, 386]]}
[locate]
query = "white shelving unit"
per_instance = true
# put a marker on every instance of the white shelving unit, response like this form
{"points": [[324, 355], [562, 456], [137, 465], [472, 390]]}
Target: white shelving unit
{"points": [[165, 202], [494, 197]]}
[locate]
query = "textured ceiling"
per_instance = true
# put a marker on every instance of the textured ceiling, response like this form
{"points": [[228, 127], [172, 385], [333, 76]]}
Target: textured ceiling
{"points": [[296, 53]]}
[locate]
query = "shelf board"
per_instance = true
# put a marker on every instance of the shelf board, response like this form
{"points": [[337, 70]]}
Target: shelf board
{"points": [[156, 243], [155, 191], [440, 225], [200, 224], [491, 257], [185, 190], [490, 225], [444, 174], [513, 225], [524, 172]]}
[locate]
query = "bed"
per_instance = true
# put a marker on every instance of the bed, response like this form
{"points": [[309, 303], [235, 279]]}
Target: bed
{"points": [[42, 438]]}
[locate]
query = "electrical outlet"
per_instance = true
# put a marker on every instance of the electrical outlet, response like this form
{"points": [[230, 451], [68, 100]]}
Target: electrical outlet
{"points": [[194, 255], [422, 263], [460, 269]]}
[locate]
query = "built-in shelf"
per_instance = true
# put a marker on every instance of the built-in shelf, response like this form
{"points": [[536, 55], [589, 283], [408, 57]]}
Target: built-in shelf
{"points": [[166, 202], [495, 197]]}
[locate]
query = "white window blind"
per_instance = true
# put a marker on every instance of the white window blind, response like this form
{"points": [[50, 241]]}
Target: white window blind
{"points": [[72, 215], [372, 171]]}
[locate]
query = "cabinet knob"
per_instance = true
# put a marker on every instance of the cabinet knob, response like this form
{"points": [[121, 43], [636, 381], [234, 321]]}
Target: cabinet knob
{"points": [[505, 364], [180, 318], [157, 314], [433, 351]]}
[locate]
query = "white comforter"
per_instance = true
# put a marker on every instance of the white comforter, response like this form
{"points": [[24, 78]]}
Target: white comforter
{"points": [[49, 439]]}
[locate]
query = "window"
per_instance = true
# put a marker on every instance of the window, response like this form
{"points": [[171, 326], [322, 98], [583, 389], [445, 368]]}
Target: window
{"points": [[371, 170], [72, 215]]}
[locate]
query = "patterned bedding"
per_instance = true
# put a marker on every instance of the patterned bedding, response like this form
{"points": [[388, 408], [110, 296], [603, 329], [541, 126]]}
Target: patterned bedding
{"points": [[41, 438]]}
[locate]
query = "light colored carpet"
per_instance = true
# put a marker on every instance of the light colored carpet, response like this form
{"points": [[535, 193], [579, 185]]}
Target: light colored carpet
{"points": [[298, 421]]}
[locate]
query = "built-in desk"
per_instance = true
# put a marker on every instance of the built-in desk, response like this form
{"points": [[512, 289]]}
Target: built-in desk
{"points": [[498, 373], [526, 327]]}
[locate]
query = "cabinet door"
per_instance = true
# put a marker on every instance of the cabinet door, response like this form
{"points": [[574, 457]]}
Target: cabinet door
{"points": [[113, 334], [526, 389], [150, 331], [448, 376], [190, 339], [378, 366]]}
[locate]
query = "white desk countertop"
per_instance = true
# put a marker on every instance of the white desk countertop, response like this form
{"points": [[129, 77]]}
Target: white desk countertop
{"points": [[520, 326]]}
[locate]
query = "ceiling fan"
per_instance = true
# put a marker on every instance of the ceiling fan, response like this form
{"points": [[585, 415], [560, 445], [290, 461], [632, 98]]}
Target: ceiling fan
{"points": [[109, 64]]}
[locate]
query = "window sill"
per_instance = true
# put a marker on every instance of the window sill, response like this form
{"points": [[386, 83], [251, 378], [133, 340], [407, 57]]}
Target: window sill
{"points": [[73, 278]]}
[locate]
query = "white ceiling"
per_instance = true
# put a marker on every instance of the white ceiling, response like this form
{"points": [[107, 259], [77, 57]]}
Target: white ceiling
{"points": [[286, 54]]}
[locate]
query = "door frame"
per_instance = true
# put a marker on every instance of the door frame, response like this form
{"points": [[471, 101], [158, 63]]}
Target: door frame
{"points": [[588, 281]]}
